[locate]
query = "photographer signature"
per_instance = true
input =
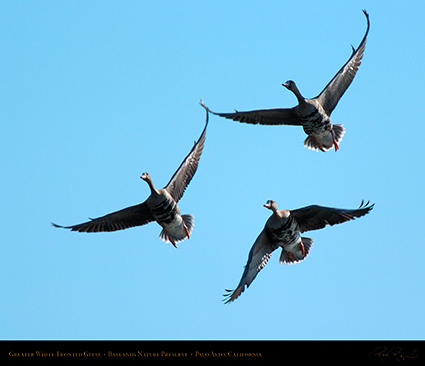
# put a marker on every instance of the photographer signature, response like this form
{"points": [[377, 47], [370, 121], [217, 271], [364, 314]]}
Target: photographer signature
{"points": [[395, 353]]}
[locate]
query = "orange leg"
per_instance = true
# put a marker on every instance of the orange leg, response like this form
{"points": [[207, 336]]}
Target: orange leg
{"points": [[290, 256], [171, 240], [319, 145], [186, 230], [301, 245], [335, 143]]}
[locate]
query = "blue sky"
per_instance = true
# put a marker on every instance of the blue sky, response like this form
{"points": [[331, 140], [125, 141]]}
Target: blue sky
{"points": [[95, 93]]}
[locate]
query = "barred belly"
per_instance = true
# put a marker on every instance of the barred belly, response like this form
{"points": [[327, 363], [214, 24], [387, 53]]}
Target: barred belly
{"points": [[316, 123], [166, 213]]}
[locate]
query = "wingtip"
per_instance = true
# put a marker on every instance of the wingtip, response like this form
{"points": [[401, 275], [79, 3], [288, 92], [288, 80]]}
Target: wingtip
{"points": [[232, 295], [207, 109], [72, 228], [366, 205], [201, 102], [367, 17], [228, 297]]}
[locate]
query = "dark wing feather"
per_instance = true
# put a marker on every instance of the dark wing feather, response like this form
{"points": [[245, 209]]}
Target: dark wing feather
{"points": [[333, 92], [278, 116], [187, 169], [258, 257], [128, 217], [317, 217]]}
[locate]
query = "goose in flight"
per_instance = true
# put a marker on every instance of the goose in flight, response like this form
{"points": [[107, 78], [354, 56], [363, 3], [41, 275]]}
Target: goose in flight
{"points": [[160, 206], [312, 114], [283, 229]]}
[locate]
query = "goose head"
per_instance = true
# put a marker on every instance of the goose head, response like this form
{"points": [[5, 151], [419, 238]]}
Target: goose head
{"points": [[146, 177], [271, 205], [290, 85]]}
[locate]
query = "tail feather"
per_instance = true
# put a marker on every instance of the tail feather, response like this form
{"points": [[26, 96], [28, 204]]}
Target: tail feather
{"points": [[189, 221], [326, 141], [285, 259], [179, 234], [339, 132], [310, 143]]}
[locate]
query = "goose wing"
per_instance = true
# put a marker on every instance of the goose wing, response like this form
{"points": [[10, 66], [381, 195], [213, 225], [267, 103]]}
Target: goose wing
{"points": [[128, 217], [317, 217], [333, 92], [276, 116], [187, 169], [258, 257]]}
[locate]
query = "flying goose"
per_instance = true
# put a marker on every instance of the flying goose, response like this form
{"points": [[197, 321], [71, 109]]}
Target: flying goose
{"points": [[312, 114], [283, 229], [160, 206]]}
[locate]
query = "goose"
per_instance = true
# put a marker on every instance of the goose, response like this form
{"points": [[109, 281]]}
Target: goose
{"points": [[160, 206], [312, 114], [283, 229]]}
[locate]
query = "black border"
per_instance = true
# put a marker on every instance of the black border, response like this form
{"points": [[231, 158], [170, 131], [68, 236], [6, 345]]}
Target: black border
{"points": [[382, 352]]}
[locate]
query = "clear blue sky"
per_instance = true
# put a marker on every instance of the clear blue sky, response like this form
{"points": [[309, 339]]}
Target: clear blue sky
{"points": [[93, 93]]}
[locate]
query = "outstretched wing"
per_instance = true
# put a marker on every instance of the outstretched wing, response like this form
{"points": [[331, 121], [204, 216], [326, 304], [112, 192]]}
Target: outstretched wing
{"points": [[128, 217], [333, 92], [317, 217], [277, 116], [258, 257], [184, 174]]}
